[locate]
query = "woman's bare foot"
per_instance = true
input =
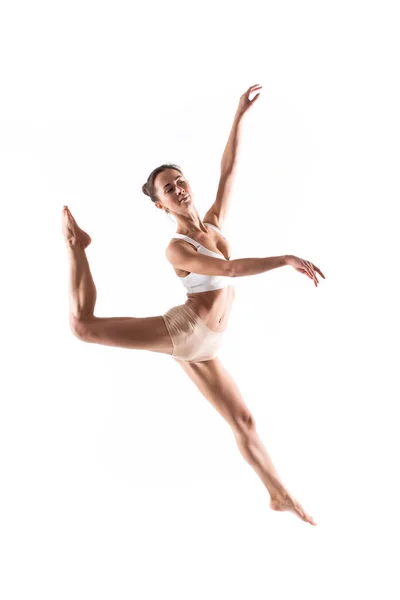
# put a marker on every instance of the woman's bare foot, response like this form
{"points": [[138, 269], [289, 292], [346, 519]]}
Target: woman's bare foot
{"points": [[284, 501], [72, 233]]}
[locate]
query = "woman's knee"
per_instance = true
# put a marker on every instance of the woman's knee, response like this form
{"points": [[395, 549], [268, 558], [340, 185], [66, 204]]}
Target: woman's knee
{"points": [[242, 422]]}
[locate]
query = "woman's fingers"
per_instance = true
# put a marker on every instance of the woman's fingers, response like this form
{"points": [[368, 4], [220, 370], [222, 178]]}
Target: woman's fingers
{"points": [[308, 268], [318, 271], [254, 88], [306, 271], [311, 270]]}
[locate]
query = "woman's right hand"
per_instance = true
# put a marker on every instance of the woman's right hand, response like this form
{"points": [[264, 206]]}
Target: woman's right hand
{"points": [[304, 266]]}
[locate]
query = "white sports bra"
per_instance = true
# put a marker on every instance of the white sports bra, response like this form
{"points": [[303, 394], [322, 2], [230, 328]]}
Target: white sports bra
{"points": [[196, 282]]}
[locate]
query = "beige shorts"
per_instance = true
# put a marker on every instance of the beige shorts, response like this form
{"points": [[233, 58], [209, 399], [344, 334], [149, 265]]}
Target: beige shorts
{"points": [[192, 340]]}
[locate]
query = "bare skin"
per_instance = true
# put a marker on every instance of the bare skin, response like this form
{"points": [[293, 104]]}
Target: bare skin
{"points": [[207, 375], [72, 233], [220, 389], [282, 503]]}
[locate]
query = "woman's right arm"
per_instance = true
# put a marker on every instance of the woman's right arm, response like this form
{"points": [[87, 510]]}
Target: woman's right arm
{"points": [[241, 267], [252, 266], [185, 257]]}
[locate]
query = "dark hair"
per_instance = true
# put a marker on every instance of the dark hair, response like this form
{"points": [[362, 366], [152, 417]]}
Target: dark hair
{"points": [[148, 188]]}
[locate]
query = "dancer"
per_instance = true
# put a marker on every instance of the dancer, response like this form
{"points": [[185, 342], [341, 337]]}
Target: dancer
{"points": [[192, 332]]}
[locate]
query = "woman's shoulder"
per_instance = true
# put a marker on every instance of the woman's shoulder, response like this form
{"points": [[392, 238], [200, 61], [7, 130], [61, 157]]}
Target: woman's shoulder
{"points": [[178, 242]]}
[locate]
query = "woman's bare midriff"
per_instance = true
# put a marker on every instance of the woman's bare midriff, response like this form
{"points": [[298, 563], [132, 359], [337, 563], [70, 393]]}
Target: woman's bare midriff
{"points": [[213, 307]]}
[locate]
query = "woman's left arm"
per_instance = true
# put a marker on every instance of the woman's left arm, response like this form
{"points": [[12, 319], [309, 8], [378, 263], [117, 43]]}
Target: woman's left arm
{"points": [[229, 157], [218, 211]]}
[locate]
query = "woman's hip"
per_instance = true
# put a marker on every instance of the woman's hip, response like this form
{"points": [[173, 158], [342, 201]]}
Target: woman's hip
{"points": [[192, 340]]}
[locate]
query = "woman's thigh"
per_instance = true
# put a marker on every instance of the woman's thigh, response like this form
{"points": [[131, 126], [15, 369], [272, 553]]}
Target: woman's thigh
{"points": [[147, 333], [219, 388]]}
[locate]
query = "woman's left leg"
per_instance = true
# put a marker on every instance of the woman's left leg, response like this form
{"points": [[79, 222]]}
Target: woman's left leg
{"points": [[218, 387], [149, 333], [82, 290]]}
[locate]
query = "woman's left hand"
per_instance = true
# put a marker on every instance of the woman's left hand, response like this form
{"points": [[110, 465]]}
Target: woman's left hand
{"points": [[244, 102]]}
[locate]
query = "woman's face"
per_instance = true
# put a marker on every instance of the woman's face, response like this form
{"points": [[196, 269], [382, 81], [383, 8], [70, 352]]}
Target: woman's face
{"points": [[174, 191]]}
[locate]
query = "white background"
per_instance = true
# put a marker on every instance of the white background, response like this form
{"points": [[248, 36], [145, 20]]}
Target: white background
{"points": [[118, 479]]}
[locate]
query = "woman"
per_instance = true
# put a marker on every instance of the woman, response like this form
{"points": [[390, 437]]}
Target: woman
{"points": [[192, 332]]}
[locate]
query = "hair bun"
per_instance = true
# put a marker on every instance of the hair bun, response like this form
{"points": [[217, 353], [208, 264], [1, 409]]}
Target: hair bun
{"points": [[145, 190]]}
